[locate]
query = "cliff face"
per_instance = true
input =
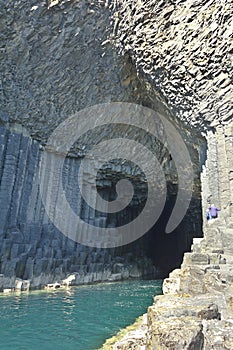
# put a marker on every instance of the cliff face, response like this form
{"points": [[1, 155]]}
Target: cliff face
{"points": [[184, 50], [53, 63], [56, 59]]}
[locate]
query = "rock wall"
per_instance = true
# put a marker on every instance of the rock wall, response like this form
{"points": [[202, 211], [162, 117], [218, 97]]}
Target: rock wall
{"points": [[184, 50], [32, 248], [53, 63], [56, 59]]}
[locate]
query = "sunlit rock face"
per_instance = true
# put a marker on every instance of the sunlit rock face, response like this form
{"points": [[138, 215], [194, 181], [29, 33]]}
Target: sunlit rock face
{"points": [[56, 59]]}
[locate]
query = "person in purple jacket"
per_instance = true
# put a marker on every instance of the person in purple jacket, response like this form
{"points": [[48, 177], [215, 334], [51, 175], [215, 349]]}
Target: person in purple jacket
{"points": [[213, 211]]}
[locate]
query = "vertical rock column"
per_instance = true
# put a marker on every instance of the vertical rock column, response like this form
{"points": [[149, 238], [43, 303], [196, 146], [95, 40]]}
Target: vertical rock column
{"points": [[223, 170], [229, 154], [210, 174]]}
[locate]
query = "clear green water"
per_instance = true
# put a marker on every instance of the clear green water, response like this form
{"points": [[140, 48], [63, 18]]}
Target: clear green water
{"points": [[80, 318]]}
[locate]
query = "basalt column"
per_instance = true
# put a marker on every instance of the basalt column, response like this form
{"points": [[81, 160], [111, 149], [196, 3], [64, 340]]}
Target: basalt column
{"points": [[57, 59]]}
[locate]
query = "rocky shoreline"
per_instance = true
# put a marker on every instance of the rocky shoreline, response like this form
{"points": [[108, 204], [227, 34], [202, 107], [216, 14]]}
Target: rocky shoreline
{"points": [[72, 280], [115, 272]]}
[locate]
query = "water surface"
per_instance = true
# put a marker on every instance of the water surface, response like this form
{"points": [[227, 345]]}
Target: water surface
{"points": [[80, 318]]}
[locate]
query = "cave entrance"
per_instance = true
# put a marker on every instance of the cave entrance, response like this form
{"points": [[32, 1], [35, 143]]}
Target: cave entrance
{"points": [[165, 251]]}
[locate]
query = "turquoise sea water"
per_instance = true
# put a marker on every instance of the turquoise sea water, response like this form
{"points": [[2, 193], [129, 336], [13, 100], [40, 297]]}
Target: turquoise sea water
{"points": [[80, 318]]}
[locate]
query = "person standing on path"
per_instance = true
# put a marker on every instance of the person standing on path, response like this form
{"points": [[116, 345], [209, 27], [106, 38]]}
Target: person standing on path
{"points": [[214, 211]]}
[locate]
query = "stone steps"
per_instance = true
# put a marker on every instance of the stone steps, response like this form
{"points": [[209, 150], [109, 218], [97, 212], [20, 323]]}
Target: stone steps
{"points": [[229, 220], [228, 258], [227, 238], [206, 271], [213, 240]]}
